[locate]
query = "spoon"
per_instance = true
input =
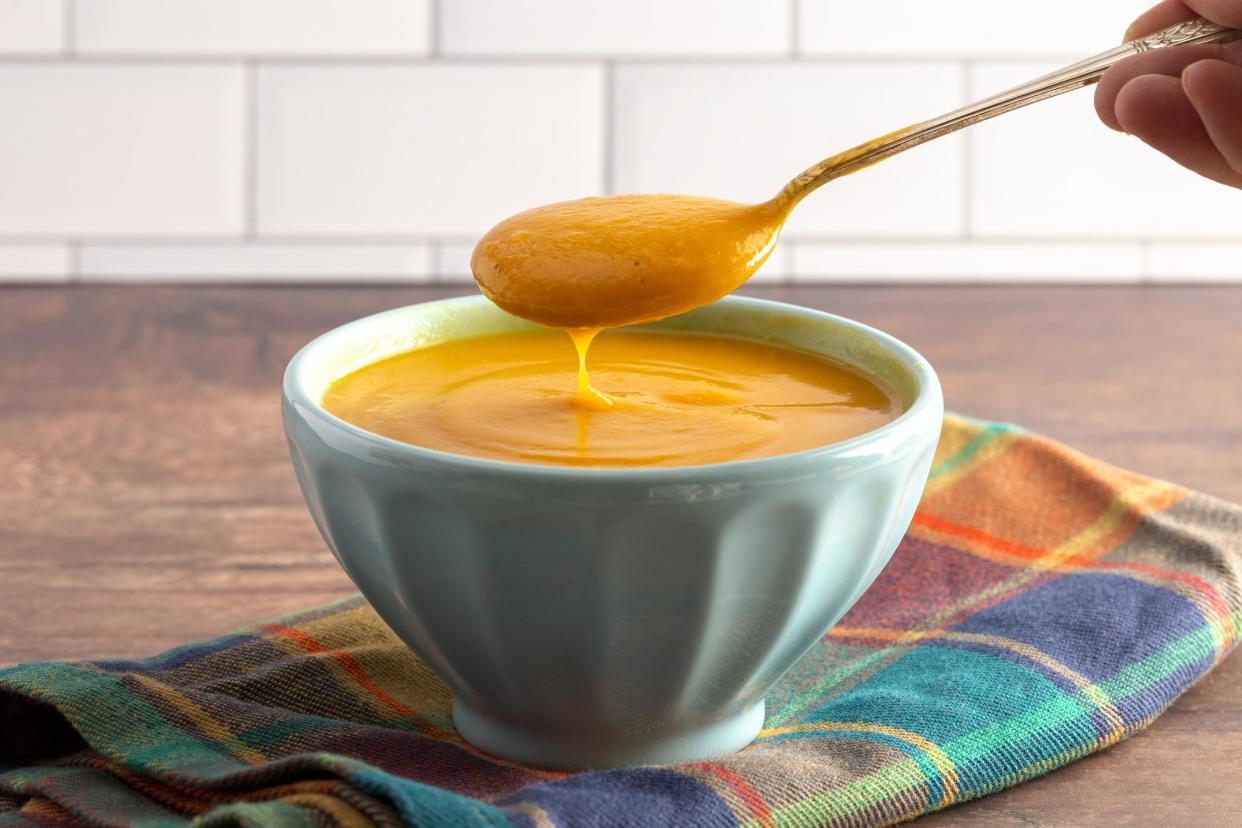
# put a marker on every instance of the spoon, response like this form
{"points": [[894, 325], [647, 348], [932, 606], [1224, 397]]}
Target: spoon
{"points": [[619, 260]]}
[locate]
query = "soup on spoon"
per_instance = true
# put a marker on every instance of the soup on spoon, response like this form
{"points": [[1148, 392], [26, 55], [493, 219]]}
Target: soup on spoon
{"points": [[620, 260]]}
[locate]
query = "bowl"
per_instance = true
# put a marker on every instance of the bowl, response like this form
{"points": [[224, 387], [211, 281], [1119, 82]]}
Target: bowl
{"points": [[598, 618]]}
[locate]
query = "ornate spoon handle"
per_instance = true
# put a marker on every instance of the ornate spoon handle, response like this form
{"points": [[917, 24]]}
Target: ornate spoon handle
{"points": [[1064, 80]]}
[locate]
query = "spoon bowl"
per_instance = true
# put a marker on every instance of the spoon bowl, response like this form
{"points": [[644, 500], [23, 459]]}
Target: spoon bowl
{"points": [[621, 260]]}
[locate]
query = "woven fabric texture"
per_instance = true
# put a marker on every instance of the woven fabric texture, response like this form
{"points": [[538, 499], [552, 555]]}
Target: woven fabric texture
{"points": [[1043, 606]]}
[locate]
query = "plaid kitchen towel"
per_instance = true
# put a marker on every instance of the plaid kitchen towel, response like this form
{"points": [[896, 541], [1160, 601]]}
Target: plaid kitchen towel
{"points": [[1043, 606]]}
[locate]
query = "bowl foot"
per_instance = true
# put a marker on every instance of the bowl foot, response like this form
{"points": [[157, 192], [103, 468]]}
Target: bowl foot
{"points": [[561, 751]]}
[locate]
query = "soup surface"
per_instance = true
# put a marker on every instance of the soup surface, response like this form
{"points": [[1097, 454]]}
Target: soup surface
{"points": [[677, 399]]}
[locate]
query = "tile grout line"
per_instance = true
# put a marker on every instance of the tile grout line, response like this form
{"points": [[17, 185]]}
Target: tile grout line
{"points": [[1109, 282], [498, 59], [609, 115], [968, 182], [435, 262], [389, 280], [250, 177], [75, 262], [795, 24], [433, 29], [398, 239], [69, 25]]}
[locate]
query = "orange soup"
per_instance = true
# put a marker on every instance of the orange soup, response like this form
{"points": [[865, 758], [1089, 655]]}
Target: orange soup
{"points": [[619, 260], [672, 399]]}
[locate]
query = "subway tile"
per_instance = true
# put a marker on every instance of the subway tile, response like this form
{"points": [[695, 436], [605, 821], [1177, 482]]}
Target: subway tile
{"points": [[106, 149], [967, 261], [1054, 170], [255, 262], [965, 28], [31, 26], [1171, 262], [742, 131], [259, 27], [607, 27], [437, 150], [453, 263], [34, 263]]}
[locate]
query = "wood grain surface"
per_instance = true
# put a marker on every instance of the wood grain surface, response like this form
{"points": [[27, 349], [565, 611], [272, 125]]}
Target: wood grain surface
{"points": [[147, 498]]}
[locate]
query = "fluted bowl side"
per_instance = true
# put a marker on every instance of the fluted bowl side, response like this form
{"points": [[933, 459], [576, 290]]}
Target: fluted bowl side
{"points": [[603, 617]]}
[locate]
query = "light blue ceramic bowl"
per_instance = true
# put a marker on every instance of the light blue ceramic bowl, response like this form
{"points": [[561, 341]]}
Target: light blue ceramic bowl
{"points": [[591, 618]]}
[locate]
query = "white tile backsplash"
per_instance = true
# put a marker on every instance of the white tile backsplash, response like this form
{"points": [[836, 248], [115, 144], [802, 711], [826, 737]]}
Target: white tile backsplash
{"points": [[1172, 262], [255, 262], [349, 140], [90, 149], [392, 150], [453, 263], [742, 131], [1053, 170], [607, 27], [966, 261], [35, 262], [29, 27], [964, 28], [255, 27]]}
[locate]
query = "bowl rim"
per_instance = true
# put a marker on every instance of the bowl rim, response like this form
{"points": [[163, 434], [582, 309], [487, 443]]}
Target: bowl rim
{"points": [[928, 394]]}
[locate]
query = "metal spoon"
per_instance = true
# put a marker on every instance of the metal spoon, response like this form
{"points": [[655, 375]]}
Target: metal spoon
{"points": [[618, 260], [1083, 73]]}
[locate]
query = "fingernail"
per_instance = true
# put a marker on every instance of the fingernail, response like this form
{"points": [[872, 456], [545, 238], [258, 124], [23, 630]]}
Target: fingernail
{"points": [[1185, 75]]}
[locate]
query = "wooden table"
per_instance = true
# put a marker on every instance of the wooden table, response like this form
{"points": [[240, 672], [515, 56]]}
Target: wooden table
{"points": [[148, 500]]}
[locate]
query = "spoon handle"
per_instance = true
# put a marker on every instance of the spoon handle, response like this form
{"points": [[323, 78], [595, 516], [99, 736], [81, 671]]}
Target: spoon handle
{"points": [[1197, 31]]}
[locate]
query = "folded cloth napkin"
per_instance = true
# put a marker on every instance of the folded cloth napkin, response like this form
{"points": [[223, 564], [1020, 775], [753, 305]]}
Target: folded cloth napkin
{"points": [[1042, 607]]}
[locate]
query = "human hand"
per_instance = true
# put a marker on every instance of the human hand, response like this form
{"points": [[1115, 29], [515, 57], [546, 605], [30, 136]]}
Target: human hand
{"points": [[1186, 101]]}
